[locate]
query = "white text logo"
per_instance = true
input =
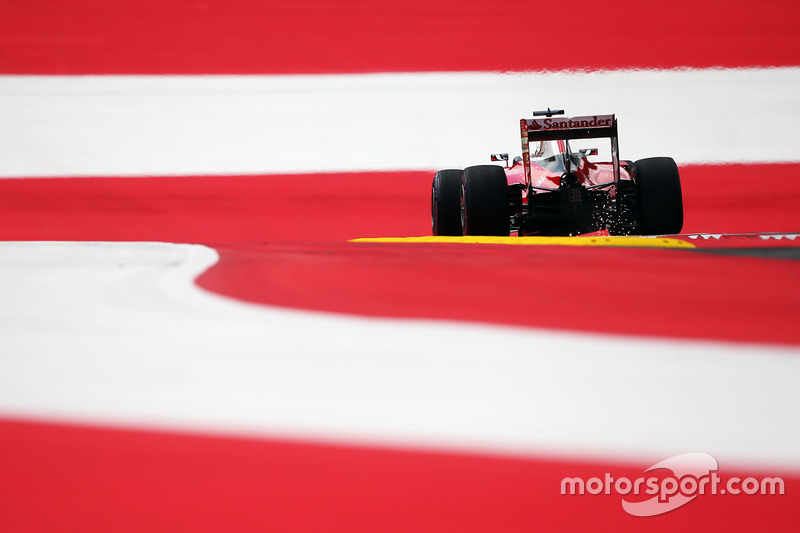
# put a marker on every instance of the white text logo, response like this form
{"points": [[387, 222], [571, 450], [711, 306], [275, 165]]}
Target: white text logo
{"points": [[692, 474]]}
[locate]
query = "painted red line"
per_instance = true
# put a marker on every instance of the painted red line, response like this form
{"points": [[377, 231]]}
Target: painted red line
{"points": [[219, 209], [741, 198], [672, 293], [76, 478], [331, 36], [281, 240], [333, 207]]}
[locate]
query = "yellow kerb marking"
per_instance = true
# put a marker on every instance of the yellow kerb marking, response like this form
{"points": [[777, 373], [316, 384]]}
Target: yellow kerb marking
{"points": [[637, 242]]}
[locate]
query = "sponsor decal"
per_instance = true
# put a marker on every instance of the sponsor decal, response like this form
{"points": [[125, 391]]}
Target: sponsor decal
{"points": [[566, 123]]}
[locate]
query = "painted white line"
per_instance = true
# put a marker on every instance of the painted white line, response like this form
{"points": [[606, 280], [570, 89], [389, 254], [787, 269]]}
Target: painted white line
{"points": [[184, 125], [117, 333]]}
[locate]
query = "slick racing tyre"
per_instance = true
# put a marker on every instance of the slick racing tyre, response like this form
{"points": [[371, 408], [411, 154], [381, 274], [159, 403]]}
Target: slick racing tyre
{"points": [[446, 203], [658, 191], [484, 201]]}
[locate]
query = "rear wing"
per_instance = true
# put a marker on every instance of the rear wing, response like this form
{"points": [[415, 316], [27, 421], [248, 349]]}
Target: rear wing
{"points": [[553, 128]]}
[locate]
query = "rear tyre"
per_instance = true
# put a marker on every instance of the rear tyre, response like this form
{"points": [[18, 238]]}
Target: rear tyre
{"points": [[484, 201], [446, 203], [658, 192]]}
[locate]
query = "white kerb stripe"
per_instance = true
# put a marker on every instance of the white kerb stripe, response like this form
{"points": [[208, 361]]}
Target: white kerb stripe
{"points": [[185, 125], [117, 333]]}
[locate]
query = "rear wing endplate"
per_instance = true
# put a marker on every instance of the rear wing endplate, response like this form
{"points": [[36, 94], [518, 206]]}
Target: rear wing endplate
{"points": [[565, 128]]}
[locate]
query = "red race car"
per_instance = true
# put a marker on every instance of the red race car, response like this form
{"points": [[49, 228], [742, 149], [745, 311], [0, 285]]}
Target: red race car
{"points": [[554, 188]]}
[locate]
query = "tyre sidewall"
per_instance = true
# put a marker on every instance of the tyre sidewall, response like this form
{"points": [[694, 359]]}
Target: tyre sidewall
{"points": [[446, 203], [658, 192], [484, 202]]}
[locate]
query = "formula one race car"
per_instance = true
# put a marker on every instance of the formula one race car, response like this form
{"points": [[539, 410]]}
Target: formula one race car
{"points": [[553, 188]]}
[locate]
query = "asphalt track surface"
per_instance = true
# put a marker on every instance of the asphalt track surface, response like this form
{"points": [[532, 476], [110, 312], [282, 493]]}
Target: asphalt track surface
{"points": [[285, 241]]}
